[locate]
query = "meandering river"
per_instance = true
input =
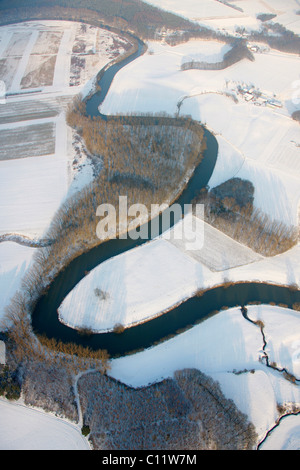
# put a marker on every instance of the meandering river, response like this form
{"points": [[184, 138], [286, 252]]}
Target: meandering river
{"points": [[45, 318]]}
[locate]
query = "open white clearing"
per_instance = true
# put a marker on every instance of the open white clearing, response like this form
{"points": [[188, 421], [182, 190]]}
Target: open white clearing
{"points": [[15, 261], [23, 428], [284, 437]]}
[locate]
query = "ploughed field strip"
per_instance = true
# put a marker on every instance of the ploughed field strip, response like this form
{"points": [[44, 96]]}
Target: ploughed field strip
{"points": [[29, 141], [8, 69], [39, 71], [26, 110]]}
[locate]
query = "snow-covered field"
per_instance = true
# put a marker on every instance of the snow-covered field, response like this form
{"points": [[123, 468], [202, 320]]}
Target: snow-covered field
{"points": [[259, 143], [219, 16], [284, 437], [15, 260], [23, 428], [133, 286]]}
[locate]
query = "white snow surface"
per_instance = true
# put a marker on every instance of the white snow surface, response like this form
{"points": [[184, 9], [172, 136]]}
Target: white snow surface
{"points": [[15, 261], [23, 428], [284, 437], [218, 16]]}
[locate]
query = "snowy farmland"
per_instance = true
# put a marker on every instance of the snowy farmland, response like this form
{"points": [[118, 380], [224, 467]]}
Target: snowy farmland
{"points": [[36, 67], [29, 141]]}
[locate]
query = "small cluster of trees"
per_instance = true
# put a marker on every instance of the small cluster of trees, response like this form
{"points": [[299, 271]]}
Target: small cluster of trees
{"points": [[296, 115], [102, 295], [230, 5], [229, 208], [266, 16], [238, 51], [78, 350], [9, 384]]}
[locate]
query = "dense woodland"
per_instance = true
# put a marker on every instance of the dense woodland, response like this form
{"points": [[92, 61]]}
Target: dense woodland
{"points": [[229, 208], [187, 412]]}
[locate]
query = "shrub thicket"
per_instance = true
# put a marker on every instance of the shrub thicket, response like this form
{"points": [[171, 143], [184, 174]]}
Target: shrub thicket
{"points": [[229, 208]]}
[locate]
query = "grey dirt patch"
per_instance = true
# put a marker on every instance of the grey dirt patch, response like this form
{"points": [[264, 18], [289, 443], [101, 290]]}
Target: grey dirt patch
{"points": [[29, 141]]}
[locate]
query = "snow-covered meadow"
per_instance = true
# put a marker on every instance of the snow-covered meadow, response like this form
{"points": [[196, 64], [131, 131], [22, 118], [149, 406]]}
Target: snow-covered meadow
{"points": [[24, 428]]}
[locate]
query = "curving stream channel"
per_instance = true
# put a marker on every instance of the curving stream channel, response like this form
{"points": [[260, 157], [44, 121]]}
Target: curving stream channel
{"points": [[45, 319]]}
